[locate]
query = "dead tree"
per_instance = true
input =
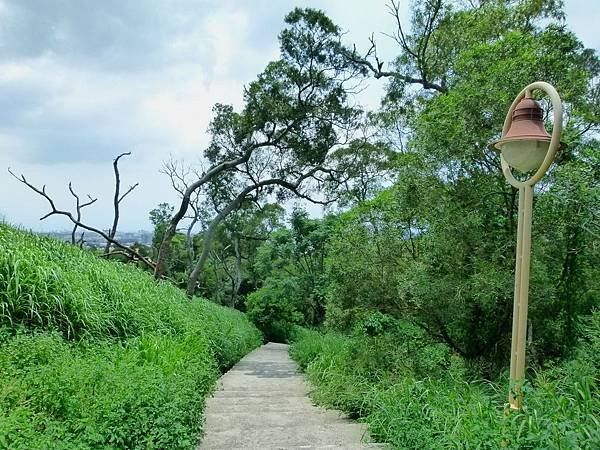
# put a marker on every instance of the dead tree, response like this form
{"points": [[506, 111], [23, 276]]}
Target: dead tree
{"points": [[78, 207], [81, 241], [76, 220], [117, 199], [415, 47]]}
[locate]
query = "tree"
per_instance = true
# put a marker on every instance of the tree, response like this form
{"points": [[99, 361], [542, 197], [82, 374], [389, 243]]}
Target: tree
{"points": [[159, 217], [78, 207], [232, 206], [180, 176], [294, 114], [365, 168], [296, 255], [233, 252], [472, 232], [457, 71]]}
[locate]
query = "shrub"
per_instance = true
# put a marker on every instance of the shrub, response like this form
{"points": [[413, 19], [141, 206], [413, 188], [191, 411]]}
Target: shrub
{"points": [[273, 309], [144, 393], [424, 398]]}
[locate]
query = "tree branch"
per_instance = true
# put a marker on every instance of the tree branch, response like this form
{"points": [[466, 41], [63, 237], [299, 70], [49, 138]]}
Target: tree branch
{"points": [[418, 56], [79, 206], [112, 232], [75, 221]]}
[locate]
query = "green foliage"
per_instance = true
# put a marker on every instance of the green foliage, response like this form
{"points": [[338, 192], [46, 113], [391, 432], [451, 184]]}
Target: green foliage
{"points": [[366, 168], [413, 393], [146, 392], [438, 246], [96, 354], [291, 263], [231, 272], [421, 275], [274, 309], [177, 253], [159, 217]]}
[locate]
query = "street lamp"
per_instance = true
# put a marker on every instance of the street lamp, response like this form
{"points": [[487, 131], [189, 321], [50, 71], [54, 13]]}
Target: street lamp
{"points": [[525, 145]]}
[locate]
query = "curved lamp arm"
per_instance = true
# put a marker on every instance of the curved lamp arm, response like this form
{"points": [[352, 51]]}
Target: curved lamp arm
{"points": [[554, 141]]}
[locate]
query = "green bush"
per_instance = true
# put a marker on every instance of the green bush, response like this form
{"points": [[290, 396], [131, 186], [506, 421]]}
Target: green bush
{"points": [[416, 394], [144, 393], [273, 309], [96, 354]]}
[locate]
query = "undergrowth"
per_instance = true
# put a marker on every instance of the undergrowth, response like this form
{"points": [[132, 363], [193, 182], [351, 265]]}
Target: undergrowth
{"points": [[415, 393], [96, 354]]}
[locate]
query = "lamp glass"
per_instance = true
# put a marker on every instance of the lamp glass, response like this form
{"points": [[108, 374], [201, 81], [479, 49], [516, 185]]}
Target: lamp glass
{"points": [[524, 154]]}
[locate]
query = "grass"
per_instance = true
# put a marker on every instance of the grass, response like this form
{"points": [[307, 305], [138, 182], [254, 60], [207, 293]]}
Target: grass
{"points": [[96, 354], [427, 399]]}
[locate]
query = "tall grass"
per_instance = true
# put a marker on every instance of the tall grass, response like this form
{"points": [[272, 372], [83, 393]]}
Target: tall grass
{"points": [[427, 399], [97, 354]]}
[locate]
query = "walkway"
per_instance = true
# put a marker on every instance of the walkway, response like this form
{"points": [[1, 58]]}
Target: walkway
{"points": [[262, 403]]}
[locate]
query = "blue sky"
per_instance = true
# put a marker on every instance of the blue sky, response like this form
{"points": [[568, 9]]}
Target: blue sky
{"points": [[82, 81]]}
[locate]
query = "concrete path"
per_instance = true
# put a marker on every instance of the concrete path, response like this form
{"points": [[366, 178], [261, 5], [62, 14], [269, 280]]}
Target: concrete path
{"points": [[262, 403]]}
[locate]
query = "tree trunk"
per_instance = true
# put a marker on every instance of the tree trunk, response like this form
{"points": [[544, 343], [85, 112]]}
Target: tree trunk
{"points": [[238, 270], [189, 242], [165, 246], [208, 237], [112, 231], [73, 238], [210, 231]]}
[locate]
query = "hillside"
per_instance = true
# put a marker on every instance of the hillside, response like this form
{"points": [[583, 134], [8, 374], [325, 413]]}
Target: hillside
{"points": [[97, 354]]}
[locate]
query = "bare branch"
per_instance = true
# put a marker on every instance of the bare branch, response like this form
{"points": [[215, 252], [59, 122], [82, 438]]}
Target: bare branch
{"points": [[131, 188], [418, 55], [112, 232], [78, 223], [79, 206]]}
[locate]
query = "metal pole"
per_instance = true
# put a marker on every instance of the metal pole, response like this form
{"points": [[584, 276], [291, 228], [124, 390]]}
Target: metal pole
{"points": [[515, 324], [521, 297]]}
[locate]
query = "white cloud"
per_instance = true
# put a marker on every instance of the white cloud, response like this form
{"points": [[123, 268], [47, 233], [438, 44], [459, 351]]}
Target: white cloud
{"points": [[14, 72], [183, 112], [11, 141], [63, 118], [226, 30]]}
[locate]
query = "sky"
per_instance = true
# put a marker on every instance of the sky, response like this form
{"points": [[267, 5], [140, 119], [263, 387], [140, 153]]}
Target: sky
{"points": [[83, 81]]}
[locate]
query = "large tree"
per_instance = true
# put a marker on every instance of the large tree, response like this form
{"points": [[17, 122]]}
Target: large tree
{"points": [[295, 113]]}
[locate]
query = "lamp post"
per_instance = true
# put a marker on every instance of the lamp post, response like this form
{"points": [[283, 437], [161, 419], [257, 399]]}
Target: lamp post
{"points": [[525, 145]]}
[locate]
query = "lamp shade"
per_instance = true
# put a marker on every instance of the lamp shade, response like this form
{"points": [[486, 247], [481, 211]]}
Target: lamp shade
{"points": [[525, 145]]}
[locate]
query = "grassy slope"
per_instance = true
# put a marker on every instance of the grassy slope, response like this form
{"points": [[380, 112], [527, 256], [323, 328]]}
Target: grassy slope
{"points": [[97, 354], [417, 395]]}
